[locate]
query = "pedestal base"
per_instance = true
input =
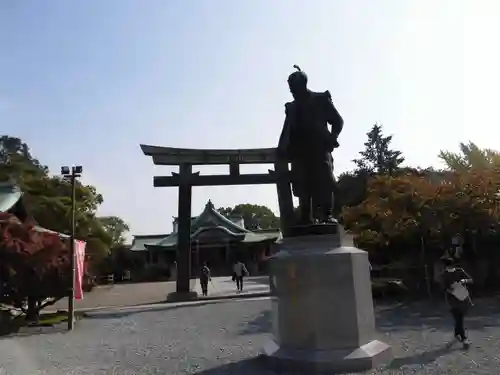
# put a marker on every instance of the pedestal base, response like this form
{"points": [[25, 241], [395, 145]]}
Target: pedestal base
{"points": [[314, 229], [182, 297], [366, 357], [323, 318]]}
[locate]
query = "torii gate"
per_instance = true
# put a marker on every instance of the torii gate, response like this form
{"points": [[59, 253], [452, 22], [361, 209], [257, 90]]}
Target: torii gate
{"points": [[185, 180]]}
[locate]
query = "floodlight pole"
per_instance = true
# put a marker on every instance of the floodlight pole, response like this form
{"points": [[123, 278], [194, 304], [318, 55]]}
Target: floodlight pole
{"points": [[75, 173]]}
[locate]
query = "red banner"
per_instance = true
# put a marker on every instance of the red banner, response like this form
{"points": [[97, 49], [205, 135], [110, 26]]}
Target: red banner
{"points": [[79, 268]]}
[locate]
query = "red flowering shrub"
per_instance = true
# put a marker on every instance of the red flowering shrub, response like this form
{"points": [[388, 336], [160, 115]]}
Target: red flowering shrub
{"points": [[34, 266]]}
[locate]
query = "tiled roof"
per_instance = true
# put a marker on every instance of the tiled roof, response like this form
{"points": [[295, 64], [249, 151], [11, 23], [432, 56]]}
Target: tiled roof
{"points": [[210, 219], [193, 219], [260, 237], [9, 196], [139, 242], [248, 237], [40, 229]]}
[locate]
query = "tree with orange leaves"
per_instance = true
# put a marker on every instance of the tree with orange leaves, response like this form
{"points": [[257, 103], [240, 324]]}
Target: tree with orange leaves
{"points": [[400, 209]]}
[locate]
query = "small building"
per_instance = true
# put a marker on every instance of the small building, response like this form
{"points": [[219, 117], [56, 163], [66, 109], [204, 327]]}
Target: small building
{"points": [[215, 239]]}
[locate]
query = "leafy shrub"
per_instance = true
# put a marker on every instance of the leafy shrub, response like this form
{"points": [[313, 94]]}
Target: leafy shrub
{"points": [[34, 266]]}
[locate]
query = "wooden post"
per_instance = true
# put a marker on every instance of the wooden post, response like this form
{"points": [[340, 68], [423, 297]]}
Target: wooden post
{"points": [[234, 169], [198, 262], [184, 230], [285, 199], [227, 250]]}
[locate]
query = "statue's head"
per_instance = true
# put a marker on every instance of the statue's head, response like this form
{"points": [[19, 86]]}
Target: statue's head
{"points": [[297, 82]]}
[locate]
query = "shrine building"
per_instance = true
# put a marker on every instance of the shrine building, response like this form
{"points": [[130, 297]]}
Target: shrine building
{"points": [[215, 239]]}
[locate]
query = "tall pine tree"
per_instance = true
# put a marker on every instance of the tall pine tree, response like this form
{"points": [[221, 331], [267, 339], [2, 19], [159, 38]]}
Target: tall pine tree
{"points": [[378, 157]]}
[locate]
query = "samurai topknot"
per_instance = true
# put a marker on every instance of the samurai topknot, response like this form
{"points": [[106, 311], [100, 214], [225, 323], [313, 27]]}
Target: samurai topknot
{"points": [[298, 76]]}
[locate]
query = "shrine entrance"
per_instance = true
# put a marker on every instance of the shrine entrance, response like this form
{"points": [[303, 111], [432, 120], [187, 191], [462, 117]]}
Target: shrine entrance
{"points": [[185, 180]]}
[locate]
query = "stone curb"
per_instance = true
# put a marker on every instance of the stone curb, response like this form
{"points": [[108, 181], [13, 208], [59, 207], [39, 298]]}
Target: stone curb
{"points": [[235, 296], [163, 304]]}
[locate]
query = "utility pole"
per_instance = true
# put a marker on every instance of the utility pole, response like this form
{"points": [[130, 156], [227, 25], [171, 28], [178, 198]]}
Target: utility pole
{"points": [[72, 175]]}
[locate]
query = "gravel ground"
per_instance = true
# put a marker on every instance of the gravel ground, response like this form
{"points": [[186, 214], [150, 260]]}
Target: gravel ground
{"points": [[224, 338]]}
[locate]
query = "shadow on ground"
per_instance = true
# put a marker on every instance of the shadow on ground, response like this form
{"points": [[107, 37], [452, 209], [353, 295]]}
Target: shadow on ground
{"points": [[261, 324], [36, 331], [412, 316], [264, 280], [485, 313], [251, 366], [423, 358], [257, 365], [123, 314], [128, 312]]}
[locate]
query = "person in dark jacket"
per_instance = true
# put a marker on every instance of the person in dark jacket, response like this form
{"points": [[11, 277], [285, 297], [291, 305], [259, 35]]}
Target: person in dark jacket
{"points": [[455, 281], [204, 278]]}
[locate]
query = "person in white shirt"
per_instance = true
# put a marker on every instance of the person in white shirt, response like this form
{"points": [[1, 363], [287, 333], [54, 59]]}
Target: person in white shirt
{"points": [[239, 270]]}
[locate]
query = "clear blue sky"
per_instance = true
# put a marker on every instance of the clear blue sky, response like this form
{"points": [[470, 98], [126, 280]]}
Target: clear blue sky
{"points": [[85, 82]]}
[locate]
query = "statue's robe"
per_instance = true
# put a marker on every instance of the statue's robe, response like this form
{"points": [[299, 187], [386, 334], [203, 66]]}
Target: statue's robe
{"points": [[307, 143]]}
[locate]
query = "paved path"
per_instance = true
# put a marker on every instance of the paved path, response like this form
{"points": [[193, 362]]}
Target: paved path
{"points": [[224, 286], [148, 293], [225, 337], [122, 295]]}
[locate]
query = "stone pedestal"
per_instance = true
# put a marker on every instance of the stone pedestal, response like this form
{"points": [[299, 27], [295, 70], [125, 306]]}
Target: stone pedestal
{"points": [[191, 295], [182, 296], [323, 317]]}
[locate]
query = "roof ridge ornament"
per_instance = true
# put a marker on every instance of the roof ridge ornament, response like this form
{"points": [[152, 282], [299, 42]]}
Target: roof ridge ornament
{"points": [[209, 204]]}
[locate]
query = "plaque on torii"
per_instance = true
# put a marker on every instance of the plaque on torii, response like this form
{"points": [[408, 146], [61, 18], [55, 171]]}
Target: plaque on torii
{"points": [[185, 180]]}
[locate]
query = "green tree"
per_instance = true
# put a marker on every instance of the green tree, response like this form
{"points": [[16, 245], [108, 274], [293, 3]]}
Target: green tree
{"points": [[16, 160], [378, 157], [116, 228], [469, 157], [351, 188], [48, 198], [255, 216]]}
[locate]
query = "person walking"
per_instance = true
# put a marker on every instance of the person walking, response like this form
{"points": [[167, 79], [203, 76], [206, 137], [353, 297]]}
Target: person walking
{"points": [[204, 278], [239, 270], [455, 281]]}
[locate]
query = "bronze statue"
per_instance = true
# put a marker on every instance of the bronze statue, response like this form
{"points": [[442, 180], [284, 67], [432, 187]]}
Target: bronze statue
{"points": [[307, 143]]}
